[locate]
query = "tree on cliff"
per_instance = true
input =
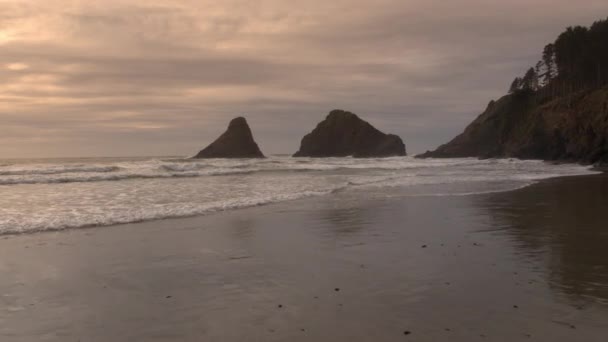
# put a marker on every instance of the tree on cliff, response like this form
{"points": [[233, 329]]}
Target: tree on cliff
{"points": [[530, 80], [577, 60], [548, 62], [515, 85]]}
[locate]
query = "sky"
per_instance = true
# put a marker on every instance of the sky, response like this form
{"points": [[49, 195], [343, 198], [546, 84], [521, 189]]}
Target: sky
{"points": [[164, 77]]}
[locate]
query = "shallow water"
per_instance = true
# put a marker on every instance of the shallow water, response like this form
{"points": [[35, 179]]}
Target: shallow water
{"points": [[530, 264], [55, 194]]}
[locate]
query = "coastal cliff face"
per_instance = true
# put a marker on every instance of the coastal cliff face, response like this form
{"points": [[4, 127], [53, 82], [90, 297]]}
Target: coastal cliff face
{"points": [[344, 134], [568, 128], [558, 110], [236, 142]]}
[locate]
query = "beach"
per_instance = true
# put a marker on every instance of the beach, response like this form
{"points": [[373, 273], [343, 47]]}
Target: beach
{"points": [[527, 264]]}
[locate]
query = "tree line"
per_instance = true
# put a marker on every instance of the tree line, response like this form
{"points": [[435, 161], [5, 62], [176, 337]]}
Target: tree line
{"points": [[577, 60]]}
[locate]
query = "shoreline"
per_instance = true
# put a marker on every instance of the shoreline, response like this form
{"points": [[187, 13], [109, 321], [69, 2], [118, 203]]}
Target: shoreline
{"points": [[333, 268], [603, 171]]}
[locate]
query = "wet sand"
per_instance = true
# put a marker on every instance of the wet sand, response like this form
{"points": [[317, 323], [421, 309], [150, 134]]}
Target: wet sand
{"points": [[525, 265]]}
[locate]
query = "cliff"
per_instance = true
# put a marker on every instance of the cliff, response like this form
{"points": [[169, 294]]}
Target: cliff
{"points": [[568, 128]]}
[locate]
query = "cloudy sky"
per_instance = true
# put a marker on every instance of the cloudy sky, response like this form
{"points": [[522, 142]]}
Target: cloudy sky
{"points": [[164, 77]]}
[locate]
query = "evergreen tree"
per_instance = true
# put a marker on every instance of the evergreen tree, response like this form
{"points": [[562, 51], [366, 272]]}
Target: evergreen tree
{"points": [[515, 85], [540, 72], [549, 63], [577, 60], [530, 80]]}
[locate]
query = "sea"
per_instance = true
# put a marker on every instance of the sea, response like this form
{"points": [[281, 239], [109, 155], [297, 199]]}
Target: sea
{"points": [[55, 194]]}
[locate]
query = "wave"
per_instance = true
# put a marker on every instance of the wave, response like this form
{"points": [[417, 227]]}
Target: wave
{"points": [[158, 213], [53, 170], [27, 209], [179, 168], [86, 178]]}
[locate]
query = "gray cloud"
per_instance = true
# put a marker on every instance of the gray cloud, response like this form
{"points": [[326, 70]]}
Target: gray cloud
{"points": [[116, 77]]}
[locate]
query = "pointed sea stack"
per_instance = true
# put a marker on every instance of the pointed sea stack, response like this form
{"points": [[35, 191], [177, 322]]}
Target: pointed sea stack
{"points": [[236, 142], [344, 134]]}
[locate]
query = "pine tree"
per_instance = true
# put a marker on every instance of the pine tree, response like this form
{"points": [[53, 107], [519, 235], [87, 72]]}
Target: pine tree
{"points": [[549, 62], [515, 85], [530, 80]]}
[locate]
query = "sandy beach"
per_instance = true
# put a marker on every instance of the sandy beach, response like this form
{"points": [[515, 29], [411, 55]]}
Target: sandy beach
{"points": [[529, 264]]}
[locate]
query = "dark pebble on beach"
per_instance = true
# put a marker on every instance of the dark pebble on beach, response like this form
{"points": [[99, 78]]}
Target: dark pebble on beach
{"points": [[424, 246], [407, 332], [169, 297], [337, 289], [302, 330], [280, 306], [515, 307]]}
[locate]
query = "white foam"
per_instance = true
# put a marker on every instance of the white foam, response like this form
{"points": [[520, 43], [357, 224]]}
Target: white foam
{"points": [[54, 196]]}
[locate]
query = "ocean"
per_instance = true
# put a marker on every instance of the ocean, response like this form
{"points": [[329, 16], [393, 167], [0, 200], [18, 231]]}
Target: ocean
{"points": [[56, 194]]}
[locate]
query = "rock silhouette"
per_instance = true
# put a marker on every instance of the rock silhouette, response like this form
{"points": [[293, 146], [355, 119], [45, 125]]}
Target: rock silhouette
{"points": [[567, 128], [236, 142], [344, 134]]}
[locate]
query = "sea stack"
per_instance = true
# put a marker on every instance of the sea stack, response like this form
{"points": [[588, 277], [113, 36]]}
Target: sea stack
{"points": [[344, 134], [236, 142]]}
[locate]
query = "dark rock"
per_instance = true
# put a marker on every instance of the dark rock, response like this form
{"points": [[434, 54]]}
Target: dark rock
{"points": [[407, 332], [236, 142], [571, 128], [344, 134], [337, 289]]}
